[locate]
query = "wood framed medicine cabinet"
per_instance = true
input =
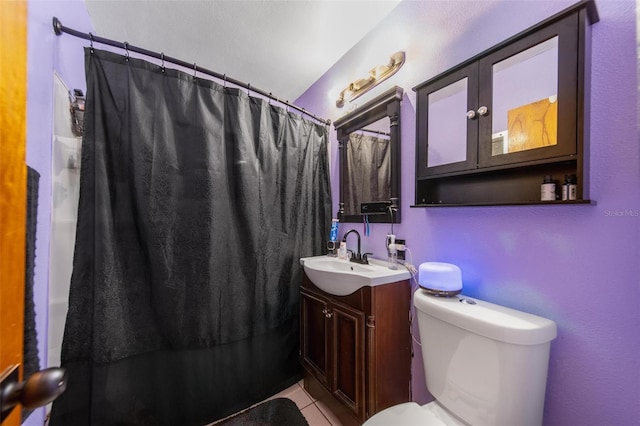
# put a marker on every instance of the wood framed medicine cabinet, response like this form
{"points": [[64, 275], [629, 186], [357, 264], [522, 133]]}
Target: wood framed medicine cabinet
{"points": [[369, 144], [490, 129]]}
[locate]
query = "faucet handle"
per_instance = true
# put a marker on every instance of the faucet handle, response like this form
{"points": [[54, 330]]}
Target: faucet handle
{"points": [[365, 257]]}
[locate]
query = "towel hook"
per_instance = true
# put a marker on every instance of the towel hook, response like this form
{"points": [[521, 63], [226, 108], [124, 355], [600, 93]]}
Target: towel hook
{"points": [[126, 49], [162, 58]]}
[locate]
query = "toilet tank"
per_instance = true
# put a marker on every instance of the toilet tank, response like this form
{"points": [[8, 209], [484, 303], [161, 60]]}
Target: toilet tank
{"points": [[485, 363]]}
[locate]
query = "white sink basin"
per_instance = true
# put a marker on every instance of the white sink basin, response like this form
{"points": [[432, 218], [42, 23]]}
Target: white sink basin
{"points": [[342, 277]]}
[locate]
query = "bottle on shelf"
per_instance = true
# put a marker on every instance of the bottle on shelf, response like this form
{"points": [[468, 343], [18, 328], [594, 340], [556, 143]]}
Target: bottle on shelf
{"points": [[548, 189], [569, 188]]}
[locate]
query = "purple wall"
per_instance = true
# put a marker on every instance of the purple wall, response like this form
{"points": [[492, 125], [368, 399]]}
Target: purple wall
{"points": [[577, 265], [48, 53]]}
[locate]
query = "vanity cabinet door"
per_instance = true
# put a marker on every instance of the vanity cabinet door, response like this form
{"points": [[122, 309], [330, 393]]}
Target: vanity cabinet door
{"points": [[314, 336], [447, 128], [348, 354], [332, 348]]}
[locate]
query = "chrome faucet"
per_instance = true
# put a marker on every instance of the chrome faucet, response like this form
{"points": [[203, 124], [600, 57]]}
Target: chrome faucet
{"points": [[356, 257]]}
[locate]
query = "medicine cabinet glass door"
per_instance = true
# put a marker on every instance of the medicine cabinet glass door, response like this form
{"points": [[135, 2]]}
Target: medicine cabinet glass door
{"points": [[525, 116], [526, 90], [448, 131]]}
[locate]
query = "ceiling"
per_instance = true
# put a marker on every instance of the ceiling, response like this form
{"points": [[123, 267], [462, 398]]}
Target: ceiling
{"points": [[278, 46]]}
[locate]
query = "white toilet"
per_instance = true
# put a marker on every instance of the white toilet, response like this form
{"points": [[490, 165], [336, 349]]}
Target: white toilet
{"points": [[485, 364]]}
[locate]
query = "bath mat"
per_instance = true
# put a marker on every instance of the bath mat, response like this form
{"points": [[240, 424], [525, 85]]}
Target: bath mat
{"points": [[276, 412]]}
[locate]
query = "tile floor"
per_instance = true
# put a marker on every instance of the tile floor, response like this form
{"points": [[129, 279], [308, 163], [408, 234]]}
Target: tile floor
{"points": [[316, 413]]}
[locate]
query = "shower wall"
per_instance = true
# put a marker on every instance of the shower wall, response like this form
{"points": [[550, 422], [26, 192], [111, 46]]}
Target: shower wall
{"points": [[46, 53], [65, 182]]}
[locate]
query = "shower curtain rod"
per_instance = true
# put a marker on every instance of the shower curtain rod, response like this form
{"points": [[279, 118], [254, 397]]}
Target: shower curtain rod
{"points": [[58, 28]]}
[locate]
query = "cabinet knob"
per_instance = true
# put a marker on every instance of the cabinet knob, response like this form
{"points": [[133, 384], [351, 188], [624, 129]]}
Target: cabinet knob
{"points": [[471, 114], [483, 110]]}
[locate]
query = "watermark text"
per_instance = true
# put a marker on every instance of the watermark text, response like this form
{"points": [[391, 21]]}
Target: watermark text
{"points": [[622, 213]]}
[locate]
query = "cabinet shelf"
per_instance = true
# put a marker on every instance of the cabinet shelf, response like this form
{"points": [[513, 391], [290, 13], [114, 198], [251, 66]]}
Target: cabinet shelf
{"points": [[522, 203], [496, 186]]}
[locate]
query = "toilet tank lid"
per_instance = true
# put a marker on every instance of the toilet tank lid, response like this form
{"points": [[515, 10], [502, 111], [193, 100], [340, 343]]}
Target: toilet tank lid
{"points": [[487, 319]]}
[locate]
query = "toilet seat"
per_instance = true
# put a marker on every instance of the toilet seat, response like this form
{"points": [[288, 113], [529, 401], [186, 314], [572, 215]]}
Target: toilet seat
{"points": [[412, 414]]}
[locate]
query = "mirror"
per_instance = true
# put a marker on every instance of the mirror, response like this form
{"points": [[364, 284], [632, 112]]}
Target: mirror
{"points": [[447, 132], [525, 116], [369, 143]]}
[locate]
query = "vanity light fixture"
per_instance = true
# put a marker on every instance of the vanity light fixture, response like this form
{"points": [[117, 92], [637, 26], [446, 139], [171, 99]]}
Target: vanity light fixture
{"points": [[376, 76]]}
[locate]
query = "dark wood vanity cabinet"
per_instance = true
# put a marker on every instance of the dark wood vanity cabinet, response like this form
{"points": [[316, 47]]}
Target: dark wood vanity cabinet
{"points": [[356, 349], [490, 129]]}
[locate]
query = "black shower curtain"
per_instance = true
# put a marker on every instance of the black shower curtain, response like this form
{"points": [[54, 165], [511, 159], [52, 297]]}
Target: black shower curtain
{"points": [[196, 202]]}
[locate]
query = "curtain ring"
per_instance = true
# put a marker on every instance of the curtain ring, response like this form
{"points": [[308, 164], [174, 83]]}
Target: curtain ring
{"points": [[91, 42], [270, 97], [162, 58], [248, 89], [126, 49], [195, 70], [224, 81], [287, 104]]}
